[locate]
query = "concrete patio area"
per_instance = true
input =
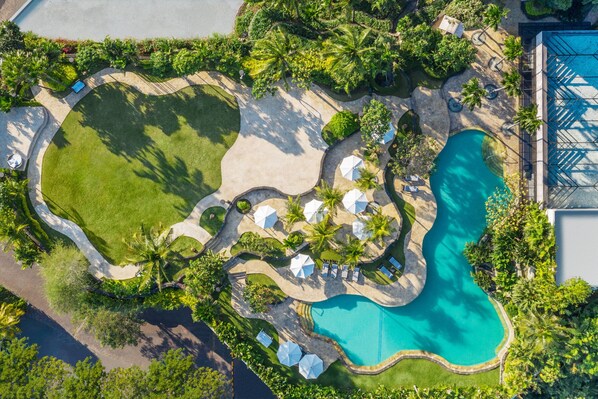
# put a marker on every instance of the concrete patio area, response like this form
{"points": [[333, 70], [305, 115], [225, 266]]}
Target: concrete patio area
{"points": [[19, 129]]}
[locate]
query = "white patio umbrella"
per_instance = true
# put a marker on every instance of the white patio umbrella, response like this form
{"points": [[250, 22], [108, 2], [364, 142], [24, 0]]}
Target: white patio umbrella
{"points": [[302, 266], [289, 353], [311, 366], [350, 167], [359, 230], [355, 201], [389, 135], [314, 211], [265, 216]]}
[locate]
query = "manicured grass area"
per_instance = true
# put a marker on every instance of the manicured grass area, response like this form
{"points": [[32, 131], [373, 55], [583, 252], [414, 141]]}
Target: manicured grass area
{"points": [[186, 246], [494, 154], [534, 9], [262, 279], [212, 219], [408, 372], [122, 159], [419, 77]]}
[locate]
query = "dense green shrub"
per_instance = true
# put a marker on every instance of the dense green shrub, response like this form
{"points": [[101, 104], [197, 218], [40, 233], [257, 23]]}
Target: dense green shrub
{"points": [[61, 77], [383, 25], [161, 63], [469, 12], [242, 23], [294, 240], [243, 206], [89, 55], [341, 125], [261, 24]]}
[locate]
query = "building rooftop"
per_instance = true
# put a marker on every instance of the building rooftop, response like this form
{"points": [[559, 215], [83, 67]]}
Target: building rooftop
{"points": [[577, 252]]}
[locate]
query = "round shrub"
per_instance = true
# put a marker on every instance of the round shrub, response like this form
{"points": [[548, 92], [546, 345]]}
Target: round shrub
{"points": [[294, 239], [341, 125], [243, 206]]}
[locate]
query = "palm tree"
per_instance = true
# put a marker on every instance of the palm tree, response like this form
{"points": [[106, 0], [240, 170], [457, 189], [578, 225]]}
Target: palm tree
{"points": [[271, 57], [492, 17], [379, 226], [151, 250], [512, 50], [11, 230], [348, 53], [367, 180], [330, 196], [472, 93], [10, 316], [527, 118], [511, 83], [321, 234], [294, 212], [353, 250]]}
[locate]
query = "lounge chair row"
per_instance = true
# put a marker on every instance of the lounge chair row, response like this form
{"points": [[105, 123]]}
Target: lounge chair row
{"points": [[332, 271]]}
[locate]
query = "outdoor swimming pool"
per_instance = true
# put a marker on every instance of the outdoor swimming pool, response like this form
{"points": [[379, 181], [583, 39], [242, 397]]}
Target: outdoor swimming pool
{"points": [[452, 317], [139, 19]]}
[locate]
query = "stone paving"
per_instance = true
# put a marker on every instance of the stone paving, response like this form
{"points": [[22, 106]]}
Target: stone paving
{"points": [[19, 129], [284, 317]]}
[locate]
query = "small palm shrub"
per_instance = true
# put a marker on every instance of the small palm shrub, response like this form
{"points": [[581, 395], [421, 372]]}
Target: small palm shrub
{"points": [[293, 241], [243, 206], [340, 126]]}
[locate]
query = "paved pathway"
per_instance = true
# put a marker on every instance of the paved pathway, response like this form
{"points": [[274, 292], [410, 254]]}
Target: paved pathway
{"points": [[19, 129], [8, 8], [278, 133]]}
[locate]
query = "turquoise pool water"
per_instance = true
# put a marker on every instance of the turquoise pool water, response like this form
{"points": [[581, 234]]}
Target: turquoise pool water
{"points": [[452, 317]]}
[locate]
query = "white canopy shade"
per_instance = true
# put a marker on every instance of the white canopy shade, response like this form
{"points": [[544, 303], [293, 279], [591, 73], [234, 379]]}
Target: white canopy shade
{"points": [[389, 135], [15, 161], [311, 366], [314, 211], [302, 266], [351, 167], [289, 353], [265, 216], [359, 230], [355, 201]]}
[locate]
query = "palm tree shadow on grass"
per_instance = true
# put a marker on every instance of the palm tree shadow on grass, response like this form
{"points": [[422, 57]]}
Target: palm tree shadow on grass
{"points": [[174, 177]]}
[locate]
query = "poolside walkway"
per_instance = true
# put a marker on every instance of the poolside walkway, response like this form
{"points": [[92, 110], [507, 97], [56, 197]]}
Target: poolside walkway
{"points": [[19, 129]]}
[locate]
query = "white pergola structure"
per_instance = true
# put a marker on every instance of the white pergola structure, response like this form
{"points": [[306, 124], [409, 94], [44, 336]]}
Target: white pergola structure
{"points": [[355, 201], [302, 266], [265, 217], [351, 167]]}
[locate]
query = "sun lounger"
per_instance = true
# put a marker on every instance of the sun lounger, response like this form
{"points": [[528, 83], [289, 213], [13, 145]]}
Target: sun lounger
{"points": [[395, 263], [78, 86], [410, 189], [325, 269], [385, 271], [356, 274], [334, 271], [412, 179], [345, 272]]}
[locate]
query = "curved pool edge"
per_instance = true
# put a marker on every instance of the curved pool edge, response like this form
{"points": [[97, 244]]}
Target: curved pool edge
{"points": [[502, 349]]}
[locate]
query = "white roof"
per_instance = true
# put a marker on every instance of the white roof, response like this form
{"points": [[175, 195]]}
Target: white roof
{"points": [[350, 167], [355, 201], [577, 252], [265, 216], [313, 211], [359, 230], [451, 25], [302, 266], [311, 366], [289, 353]]}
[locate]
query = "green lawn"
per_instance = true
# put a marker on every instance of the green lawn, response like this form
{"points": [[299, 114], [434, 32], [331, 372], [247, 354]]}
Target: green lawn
{"points": [[186, 246], [122, 159], [212, 219], [408, 372], [262, 279]]}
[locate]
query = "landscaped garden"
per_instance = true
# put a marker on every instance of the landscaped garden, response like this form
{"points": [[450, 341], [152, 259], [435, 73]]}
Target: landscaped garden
{"points": [[122, 159]]}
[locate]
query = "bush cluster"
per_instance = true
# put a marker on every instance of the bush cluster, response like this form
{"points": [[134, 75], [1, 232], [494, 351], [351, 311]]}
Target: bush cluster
{"points": [[342, 125]]}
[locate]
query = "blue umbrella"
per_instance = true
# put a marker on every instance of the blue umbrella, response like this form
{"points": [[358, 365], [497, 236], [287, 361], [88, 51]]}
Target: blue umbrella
{"points": [[311, 366], [289, 353]]}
